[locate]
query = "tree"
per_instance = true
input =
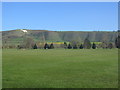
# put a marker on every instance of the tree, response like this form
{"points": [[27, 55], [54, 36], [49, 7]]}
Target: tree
{"points": [[65, 45], [75, 46], [110, 46], [35, 46], [29, 43], [12, 46], [74, 43], [117, 42], [18, 47], [104, 44], [46, 46], [21, 46], [94, 46], [51, 46], [69, 46], [87, 44], [81, 46]]}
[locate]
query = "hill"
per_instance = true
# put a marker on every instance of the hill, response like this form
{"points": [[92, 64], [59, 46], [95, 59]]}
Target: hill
{"points": [[17, 36]]}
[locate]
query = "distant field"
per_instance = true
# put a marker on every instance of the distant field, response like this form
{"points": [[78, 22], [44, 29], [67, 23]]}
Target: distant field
{"points": [[20, 40], [60, 68], [69, 42]]}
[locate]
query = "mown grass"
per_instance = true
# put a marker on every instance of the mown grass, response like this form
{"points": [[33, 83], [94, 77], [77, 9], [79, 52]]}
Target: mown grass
{"points": [[60, 68]]}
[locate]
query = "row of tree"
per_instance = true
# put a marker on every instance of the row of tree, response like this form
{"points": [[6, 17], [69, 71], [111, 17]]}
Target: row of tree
{"points": [[69, 46], [30, 44], [87, 45]]}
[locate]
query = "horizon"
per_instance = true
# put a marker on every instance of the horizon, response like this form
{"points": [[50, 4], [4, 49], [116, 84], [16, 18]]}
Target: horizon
{"points": [[65, 31], [60, 16]]}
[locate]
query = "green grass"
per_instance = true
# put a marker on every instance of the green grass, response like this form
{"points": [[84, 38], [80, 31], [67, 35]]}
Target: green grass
{"points": [[60, 68]]}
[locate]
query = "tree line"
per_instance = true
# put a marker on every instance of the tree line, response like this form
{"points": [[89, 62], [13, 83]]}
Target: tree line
{"points": [[29, 43], [73, 45]]}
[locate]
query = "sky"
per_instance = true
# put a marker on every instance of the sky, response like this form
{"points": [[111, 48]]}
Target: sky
{"points": [[60, 16]]}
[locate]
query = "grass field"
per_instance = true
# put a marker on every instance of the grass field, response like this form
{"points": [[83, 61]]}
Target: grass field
{"points": [[60, 68]]}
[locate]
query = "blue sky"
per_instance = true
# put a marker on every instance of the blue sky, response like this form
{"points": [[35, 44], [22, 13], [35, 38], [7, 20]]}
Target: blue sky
{"points": [[60, 16]]}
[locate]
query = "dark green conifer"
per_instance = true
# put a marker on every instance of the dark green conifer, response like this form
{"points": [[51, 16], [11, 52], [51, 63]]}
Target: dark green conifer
{"points": [[75, 46], [94, 46], [117, 42], [51, 46], [81, 46], [35, 46], [69, 46], [46, 46], [65, 45]]}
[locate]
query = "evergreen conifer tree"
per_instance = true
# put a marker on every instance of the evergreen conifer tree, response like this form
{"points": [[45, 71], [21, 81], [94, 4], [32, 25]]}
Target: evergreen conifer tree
{"points": [[81, 46], [69, 46], [117, 42], [46, 46], [35, 46], [51, 46], [75, 46], [65, 45], [94, 46]]}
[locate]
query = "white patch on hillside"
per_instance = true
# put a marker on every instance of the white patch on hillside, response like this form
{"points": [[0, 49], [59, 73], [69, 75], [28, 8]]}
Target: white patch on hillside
{"points": [[23, 30]]}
